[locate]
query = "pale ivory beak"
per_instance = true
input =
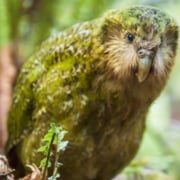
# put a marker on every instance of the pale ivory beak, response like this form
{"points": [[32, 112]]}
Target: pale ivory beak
{"points": [[144, 67], [145, 60]]}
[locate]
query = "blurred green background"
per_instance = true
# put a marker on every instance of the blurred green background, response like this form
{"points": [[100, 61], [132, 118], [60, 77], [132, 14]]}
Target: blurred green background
{"points": [[24, 24]]}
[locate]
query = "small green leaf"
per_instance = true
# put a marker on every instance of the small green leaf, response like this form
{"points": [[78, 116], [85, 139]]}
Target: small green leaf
{"points": [[43, 162], [42, 149], [62, 146]]}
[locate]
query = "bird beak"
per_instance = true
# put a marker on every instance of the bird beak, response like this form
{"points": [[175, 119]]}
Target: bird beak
{"points": [[144, 67]]}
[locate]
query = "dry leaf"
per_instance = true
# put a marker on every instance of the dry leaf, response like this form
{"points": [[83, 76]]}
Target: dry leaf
{"points": [[5, 170], [35, 175]]}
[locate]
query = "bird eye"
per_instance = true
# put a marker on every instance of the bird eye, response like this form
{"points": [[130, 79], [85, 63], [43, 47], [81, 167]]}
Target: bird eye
{"points": [[130, 37]]}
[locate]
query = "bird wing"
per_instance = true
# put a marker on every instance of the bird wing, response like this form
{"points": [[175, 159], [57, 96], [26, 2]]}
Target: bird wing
{"points": [[57, 54]]}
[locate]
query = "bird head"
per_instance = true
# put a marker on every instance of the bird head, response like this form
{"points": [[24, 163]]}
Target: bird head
{"points": [[140, 43]]}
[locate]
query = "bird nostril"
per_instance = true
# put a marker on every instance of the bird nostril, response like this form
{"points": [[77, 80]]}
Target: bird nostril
{"points": [[145, 52], [141, 52]]}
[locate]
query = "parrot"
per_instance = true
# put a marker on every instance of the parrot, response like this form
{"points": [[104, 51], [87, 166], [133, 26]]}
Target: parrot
{"points": [[97, 80]]}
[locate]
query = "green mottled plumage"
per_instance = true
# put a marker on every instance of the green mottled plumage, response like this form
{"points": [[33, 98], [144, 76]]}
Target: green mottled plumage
{"points": [[84, 79]]}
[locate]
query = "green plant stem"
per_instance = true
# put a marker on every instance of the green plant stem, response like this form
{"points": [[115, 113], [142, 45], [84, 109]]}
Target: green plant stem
{"points": [[48, 156]]}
